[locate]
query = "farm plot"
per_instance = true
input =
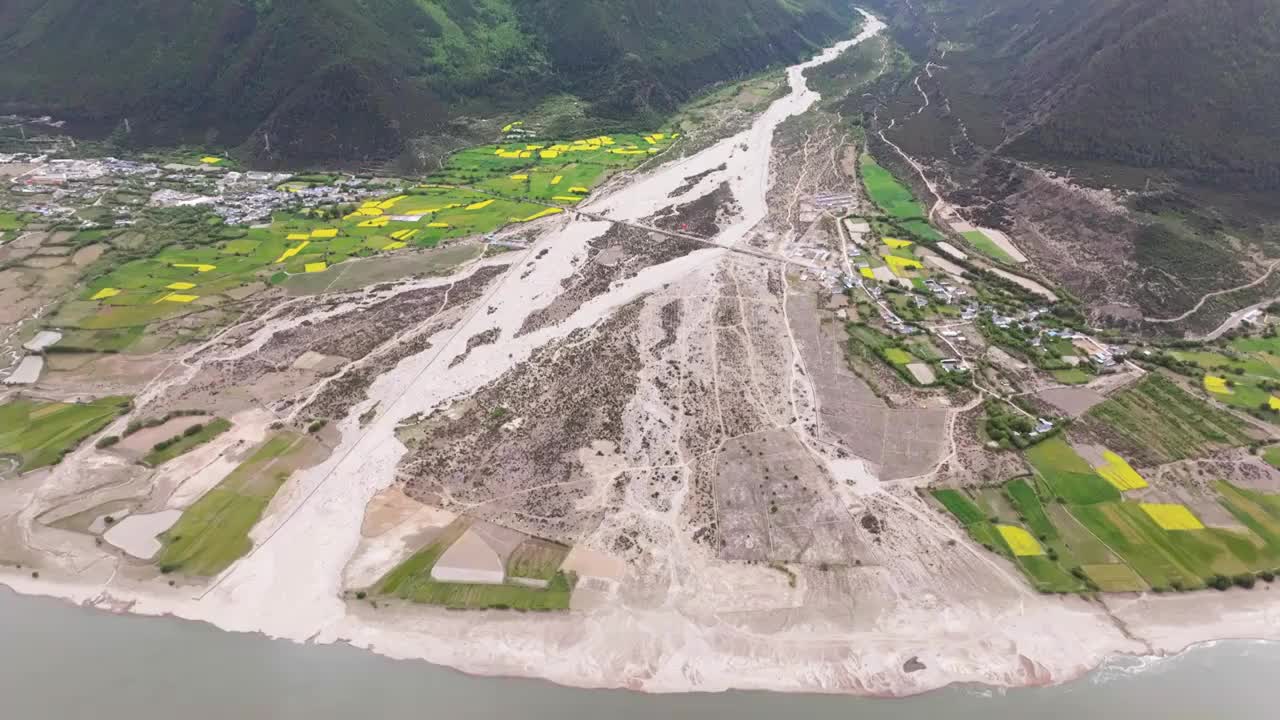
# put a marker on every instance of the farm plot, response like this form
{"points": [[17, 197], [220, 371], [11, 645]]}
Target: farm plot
{"points": [[985, 245], [1119, 546], [40, 433], [1068, 475], [561, 172], [895, 353], [479, 191], [1040, 552], [412, 579], [1245, 373], [190, 438], [896, 200], [214, 532], [1156, 422]]}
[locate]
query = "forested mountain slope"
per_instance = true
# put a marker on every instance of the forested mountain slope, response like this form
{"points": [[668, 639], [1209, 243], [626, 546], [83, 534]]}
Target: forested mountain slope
{"points": [[1189, 86], [346, 80]]}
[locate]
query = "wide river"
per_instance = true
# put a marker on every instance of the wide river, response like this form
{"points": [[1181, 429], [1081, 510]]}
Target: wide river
{"points": [[63, 662]]}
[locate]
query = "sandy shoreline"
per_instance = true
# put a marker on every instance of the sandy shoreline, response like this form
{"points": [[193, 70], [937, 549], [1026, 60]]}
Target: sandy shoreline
{"points": [[1239, 612]]}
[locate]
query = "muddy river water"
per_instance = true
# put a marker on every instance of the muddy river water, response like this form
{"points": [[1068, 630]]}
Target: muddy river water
{"points": [[63, 662]]}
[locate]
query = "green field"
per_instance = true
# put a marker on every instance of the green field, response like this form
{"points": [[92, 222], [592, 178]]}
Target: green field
{"points": [[536, 559], [411, 580], [1031, 511], [1251, 364], [1159, 421], [557, 172], [868, 342], [184, 443], [214, 532], [1067, 474], [960, 505], [478, 191], [39, 433], [1074, 376], [986, 246], [13, 220], [895, 199], [1272, 456], [1114, 545]]}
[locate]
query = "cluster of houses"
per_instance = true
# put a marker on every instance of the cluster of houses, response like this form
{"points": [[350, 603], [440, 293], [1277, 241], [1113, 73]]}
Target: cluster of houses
{"points": [[240, 198]]}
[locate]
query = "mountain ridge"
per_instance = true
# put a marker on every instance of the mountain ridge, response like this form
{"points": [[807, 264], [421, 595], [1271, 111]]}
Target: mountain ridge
{"points": [[335, 81]]}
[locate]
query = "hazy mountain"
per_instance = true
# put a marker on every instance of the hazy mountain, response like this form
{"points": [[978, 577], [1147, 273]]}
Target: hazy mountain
{"points": [[335, 80]]}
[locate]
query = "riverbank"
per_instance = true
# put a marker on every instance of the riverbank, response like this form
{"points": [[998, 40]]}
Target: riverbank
{"points": [[62, 662], [663, 651]]}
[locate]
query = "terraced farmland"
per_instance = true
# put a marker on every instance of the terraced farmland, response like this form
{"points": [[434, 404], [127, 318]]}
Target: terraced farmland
{"points": [[478, 191], [1070, 532], [1156, 421]]}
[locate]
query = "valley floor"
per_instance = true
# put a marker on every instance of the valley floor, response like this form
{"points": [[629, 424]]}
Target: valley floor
{"points": [[656, 382]]}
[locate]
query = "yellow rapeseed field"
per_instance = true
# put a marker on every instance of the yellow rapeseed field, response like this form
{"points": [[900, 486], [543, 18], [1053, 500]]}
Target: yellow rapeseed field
{"points": [[438, 225], [537, 215], [1172, 516], [105, 293], [292, 251], [867, 273], [480, 205], [180, 286], [1274, 402], [298, 236], [1216, 385], [900, 265], [393, 246], [315, 267], [1119, 473], [1021, 542], [375, 222], [324, 233], [897, 244], [198, 267], [176, 298]]}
